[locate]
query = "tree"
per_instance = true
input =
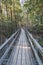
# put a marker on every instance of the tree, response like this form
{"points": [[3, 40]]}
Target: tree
{"points": [[11, 16], [35, 9]]}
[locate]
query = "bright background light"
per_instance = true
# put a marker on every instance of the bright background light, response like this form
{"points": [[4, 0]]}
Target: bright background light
{"points": [[22, 2]]}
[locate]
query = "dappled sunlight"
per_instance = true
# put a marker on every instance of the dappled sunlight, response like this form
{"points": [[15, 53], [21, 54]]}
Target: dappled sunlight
{"points": [[24, 47]]}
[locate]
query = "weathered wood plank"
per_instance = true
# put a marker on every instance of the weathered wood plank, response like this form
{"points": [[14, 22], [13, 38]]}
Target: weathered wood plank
{"points": [[22, 55]]}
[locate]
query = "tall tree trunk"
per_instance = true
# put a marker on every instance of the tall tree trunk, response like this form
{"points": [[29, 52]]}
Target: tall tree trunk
{"points": [[1, 12], [14, 15], [41, 19], [11, 13], [7, 10]]}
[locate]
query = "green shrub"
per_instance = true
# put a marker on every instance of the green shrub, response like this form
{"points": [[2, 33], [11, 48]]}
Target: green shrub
{"points": [[7, 28], [37, 29]]}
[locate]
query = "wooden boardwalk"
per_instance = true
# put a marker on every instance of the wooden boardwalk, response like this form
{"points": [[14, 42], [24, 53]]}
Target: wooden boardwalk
{"points": [[22, 53]]}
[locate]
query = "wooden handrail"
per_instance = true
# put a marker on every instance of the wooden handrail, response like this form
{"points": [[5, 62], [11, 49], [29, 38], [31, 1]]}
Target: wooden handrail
{"points": [[37, 45], [8, 40], [31, 38], [8, 49]]}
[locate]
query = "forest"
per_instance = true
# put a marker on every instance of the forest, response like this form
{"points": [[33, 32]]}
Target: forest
{"points": [[30, 15]]}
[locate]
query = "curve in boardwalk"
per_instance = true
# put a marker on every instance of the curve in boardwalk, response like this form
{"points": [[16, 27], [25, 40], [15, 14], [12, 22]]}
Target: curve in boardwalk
{"points": [[22, 53]]}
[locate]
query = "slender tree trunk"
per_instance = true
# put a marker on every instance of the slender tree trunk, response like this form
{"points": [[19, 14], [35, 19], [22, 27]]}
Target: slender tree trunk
{"points": [[41, 19], [11, 13], [14, 15], [6, 10]]}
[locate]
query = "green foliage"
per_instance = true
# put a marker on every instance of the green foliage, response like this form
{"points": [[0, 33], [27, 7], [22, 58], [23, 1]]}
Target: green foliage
{"points": [[6, 28], [38, 29], [10, 15], [35, 10], [41, 42]]}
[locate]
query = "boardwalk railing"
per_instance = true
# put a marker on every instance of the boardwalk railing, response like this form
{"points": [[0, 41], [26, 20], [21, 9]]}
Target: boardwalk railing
{"points": [[6, 46], [37, 49]]}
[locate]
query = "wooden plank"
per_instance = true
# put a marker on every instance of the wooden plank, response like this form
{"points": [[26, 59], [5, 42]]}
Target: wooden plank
{"points": [[24, 56]]}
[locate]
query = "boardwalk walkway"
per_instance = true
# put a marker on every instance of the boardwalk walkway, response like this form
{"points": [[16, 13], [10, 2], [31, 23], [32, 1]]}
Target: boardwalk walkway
{"points": [[22, 53]]}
